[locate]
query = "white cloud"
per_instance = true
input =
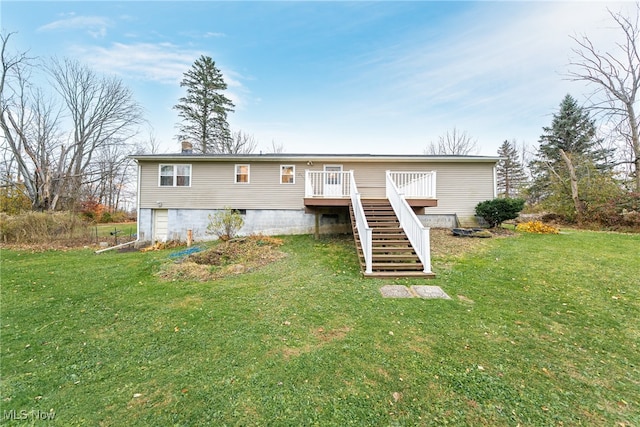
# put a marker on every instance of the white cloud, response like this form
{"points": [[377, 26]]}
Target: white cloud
{"points": [[96, 26], [498, 69], [164, 63]]}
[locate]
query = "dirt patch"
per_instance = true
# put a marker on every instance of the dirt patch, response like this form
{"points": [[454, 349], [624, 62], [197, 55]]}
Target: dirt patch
{"points": [[324, 336], [329, 335], [224, 259], [444, 244]]}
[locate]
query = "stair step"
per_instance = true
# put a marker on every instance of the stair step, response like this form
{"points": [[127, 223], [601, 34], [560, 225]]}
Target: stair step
{"points": [[394, 257], [395, 249], [396, 266], [392, 274], [393, 254], [385, 244]]}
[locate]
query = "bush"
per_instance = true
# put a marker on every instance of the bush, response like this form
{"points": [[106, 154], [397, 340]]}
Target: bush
{"points": [[41, 227], [225, 224], [13, 200], [496, 211], [92, 210], [619, 212], [536, 227]]}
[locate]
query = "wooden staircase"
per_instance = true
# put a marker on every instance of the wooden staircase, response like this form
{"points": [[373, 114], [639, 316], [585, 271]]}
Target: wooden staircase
{"points": [[393, 255]]}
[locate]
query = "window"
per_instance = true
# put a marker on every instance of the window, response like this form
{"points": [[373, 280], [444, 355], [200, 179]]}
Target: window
{"points": [[175, 175], [242, 174], [287, 174]]}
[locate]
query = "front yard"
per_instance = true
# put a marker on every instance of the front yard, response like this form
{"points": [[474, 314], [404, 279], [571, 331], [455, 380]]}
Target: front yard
{"points": [[541, 330]]}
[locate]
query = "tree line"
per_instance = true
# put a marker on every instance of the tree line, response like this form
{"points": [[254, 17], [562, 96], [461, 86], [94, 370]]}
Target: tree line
{"points": [[583, 170], [71, 144], [66, 145]]}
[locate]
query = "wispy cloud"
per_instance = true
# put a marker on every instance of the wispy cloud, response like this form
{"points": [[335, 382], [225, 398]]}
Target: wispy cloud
{"points": [[491, 68], [160, 62], [95, 26], [164, 63]]}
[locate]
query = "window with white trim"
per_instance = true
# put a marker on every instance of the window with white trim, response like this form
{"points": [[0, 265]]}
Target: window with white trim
{"points": [[287, 174], [175, 176], [242, 174]]}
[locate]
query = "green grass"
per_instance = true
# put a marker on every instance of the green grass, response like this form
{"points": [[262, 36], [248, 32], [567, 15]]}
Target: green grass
{"points": [[125, 229], [542, 330]]}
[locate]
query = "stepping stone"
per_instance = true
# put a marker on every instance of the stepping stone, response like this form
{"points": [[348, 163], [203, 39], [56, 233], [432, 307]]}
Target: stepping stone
{"points": [[429, 292], [395, 291]]}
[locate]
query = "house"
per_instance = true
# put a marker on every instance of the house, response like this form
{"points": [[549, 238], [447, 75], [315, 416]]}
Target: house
{"points": [[305, 193]]}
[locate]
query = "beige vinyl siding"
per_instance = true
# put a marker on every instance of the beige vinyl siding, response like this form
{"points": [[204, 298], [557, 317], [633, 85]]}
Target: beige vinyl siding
{"points": [[213, 187], [460, 185]]}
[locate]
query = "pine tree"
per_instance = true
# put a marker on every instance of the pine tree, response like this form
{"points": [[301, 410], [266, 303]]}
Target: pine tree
{"points": [[573, 131], [509, 171], [568, 159], [204, 108]]}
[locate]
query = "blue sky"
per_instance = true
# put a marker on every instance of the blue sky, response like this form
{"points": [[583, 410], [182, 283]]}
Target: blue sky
{"points": [[333, 77]]}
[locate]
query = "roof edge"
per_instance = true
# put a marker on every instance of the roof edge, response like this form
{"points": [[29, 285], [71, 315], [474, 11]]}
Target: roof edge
{"points": [[270, 157]]}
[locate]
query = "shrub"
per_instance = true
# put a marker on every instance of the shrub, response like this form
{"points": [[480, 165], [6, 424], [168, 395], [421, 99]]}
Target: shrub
{"points": [[536, 227], [92, 210], [225, 223], [621, 211], [13, 200], [496, 211], [41, 227]]}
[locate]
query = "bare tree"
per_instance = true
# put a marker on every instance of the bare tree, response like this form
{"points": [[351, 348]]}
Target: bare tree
{"points": [[454, 143], [109, 174], [149, 146], [30, 129], [102, 112], [616, 77], [240, 143], [276, 148], [50, 164]]}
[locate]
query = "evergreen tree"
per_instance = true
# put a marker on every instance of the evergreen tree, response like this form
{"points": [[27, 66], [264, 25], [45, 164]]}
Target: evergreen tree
{"points": [[568, 159], [573, 131], [204, 108], [509, 171]]}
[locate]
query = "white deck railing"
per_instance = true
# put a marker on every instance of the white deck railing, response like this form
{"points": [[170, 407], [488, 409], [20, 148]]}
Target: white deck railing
{"points": [[417, 233], [328, 184], [364, 231], [415, 184]]}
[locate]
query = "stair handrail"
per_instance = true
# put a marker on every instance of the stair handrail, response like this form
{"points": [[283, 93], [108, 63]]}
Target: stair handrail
{"points": [[417, 233], [364, 231]]}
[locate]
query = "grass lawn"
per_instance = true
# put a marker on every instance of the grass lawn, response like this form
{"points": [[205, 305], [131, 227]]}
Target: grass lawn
{"points": [[541, 330]]}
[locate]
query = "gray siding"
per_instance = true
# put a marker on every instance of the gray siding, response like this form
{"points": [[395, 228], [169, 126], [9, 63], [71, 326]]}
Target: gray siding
{"points": [[460, 185], [213, 187]]}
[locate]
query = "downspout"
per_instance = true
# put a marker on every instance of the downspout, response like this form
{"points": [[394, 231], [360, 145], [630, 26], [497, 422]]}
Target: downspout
{"points": [[495, 182], [137, 218]]}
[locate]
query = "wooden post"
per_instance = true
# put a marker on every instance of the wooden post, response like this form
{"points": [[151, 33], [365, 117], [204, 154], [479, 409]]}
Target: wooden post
{"points": [[189, 237], [317, 232]]}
